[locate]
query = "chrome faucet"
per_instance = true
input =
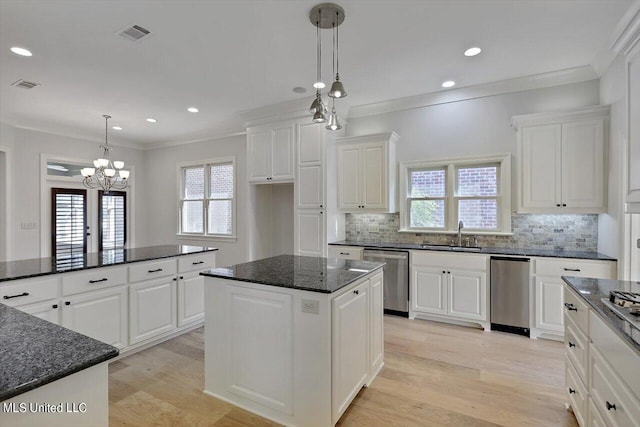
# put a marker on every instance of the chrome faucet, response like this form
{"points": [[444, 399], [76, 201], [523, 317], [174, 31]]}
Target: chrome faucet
{"points": [[460, 227]]}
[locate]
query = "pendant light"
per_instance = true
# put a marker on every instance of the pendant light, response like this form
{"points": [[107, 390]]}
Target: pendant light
{"points": [[334, 124], [318, 109], [337, 89]]}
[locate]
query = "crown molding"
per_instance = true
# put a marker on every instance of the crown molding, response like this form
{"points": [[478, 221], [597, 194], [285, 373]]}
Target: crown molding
{"points": [[155, 146], [627, 33], [387, 136], [518, 84], [597, 111]]}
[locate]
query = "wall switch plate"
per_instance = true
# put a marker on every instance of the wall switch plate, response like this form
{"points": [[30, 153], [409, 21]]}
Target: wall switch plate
{"points": [[311, 306], [28, 225]]}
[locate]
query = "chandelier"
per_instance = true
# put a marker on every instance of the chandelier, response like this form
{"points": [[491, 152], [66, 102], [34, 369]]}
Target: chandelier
{"points": [[105, 175], [327, 15]]}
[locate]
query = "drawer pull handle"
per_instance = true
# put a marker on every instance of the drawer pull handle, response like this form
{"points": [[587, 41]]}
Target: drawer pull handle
{"points": [[570, 306], [67, 303], [24, 294], [611, 406], [104, 279], [54, 306], [357, 292], [197, 262], [154, 271], [571, 269], [345, 253], [571, 391], [571, 344]]}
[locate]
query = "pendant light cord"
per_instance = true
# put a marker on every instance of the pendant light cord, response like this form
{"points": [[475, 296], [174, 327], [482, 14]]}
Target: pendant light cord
{"points": [[333, 56], [319, 53], [337, 44]]}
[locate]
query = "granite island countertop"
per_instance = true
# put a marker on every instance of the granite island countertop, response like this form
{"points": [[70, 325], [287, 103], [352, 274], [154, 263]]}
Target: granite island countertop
{"points": [[23, 269], [594, 290], [551, 253], [34, 352], [325, 275]]}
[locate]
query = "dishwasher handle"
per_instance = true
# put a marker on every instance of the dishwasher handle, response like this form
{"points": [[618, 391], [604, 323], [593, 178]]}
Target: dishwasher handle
{"points": [[501, 258], [383, 256]]}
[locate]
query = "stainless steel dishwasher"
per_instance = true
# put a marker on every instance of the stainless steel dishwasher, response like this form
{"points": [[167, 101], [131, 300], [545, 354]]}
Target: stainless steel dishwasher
{"points": [[510, 295], [396, 279]]}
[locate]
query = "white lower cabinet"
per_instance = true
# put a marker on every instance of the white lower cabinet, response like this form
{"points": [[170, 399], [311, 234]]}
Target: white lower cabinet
{"points": [[45, 310], [376, 323], [152, 309], [549, 300], [311, 236], [449, 287], [190, 298], [101, 315], [595, 419], [350, 346]]}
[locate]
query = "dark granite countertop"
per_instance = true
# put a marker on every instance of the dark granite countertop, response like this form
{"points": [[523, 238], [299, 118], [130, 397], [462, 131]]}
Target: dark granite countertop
{"points": [[23, 269], [488, 250], [34, 352], [593, 290], [325, 275]]}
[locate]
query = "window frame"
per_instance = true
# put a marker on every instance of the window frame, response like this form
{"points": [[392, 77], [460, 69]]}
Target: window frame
{"points": [[54, 232], [451, 166], [101, 193], [206, 164]]}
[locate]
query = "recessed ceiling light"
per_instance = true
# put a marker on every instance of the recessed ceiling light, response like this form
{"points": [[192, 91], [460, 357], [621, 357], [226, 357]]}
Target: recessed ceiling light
{"points": [[21, 51], [192, 110], [116, 128], [472, 51], [299, 89], [449, 83], [150, 120]]}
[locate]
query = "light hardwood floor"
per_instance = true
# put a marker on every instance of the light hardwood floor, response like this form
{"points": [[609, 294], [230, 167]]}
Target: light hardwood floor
{"points": [[434, 375]]}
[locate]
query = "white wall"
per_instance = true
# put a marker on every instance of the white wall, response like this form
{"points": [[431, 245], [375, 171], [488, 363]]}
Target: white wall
{"points": [[3, 206], [613, 92], [25, 174], [160, 171]]}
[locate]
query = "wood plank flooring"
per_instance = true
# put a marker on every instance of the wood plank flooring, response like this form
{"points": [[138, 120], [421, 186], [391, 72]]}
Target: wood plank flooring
{"points": [[434, 375]]}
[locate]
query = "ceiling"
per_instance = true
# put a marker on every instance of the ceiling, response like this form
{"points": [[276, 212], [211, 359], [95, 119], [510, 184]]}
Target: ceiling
{"points": [[225, 57]]}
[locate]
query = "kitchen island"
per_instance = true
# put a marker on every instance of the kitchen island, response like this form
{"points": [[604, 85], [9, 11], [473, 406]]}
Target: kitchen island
{"points": [[293, 338]]}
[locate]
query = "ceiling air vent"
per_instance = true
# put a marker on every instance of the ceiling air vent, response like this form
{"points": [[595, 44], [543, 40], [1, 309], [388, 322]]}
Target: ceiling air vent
{"points": [[134, 33], [25, 84]]}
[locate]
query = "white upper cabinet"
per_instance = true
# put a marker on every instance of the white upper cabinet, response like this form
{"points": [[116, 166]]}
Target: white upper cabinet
{"points": [[270, 152], [367, 173], [562, 161], [633, 145], [310, 186]]}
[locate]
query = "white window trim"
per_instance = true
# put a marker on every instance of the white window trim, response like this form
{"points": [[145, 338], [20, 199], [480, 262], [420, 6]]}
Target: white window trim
{"points": [[451, 225], [204, 236]]}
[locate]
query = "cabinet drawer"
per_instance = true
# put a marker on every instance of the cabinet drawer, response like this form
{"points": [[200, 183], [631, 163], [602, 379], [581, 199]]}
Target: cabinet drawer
{"points": [[90, 280], [29, 291], [448, 260], [152, 270], [576, 309], [197, 262], [345, 252], [573, 267], [577, 348], [613, 400], [623, 360], [576, 392]]}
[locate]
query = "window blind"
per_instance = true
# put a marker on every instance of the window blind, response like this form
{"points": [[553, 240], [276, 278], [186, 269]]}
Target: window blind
{"points": [[112, 208], [69, 225]]}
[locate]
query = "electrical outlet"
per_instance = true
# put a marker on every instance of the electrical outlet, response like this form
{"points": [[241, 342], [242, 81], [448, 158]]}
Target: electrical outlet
{"points": [[28, 225], [311, 306], [374, 228], [638, 243]]}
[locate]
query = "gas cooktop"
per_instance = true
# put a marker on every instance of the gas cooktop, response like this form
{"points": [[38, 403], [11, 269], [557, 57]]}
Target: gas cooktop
{"points": [[627, 306]]}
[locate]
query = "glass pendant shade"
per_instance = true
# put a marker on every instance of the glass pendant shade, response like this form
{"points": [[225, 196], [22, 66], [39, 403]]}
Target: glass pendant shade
{"points": [[103, 162], [124, 174], [110, 173], [337, 89], [118, 164], [96, 163]]}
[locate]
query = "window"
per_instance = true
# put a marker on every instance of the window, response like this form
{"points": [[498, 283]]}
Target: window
{"points": [[437, 195], [112, 220], [68, 225], [207, 198]]}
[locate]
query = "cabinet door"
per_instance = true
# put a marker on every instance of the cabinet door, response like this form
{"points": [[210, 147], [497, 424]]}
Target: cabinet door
{"points": [[310, 187], [467, 295], [350, 346], [282, 153], [633, 144], [190, 298], [374, 191], [310, 144], [152, 309], [349, 178], [310, 234], [428, 290], [376, 322], [541, 167], [583, 164], [45, 310], [549, 304], [101, 315], [258, 154]]}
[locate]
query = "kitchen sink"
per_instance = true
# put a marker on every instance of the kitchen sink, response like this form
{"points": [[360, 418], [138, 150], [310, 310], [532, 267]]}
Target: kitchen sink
{"points": [[450, 248]]}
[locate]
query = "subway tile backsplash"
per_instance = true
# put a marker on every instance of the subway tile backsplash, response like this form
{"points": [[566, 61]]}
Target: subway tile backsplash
{"points": [[534, 231]]}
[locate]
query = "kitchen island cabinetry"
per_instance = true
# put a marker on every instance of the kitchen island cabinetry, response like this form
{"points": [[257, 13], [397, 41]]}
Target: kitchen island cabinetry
{"points": [[292, 338]]}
